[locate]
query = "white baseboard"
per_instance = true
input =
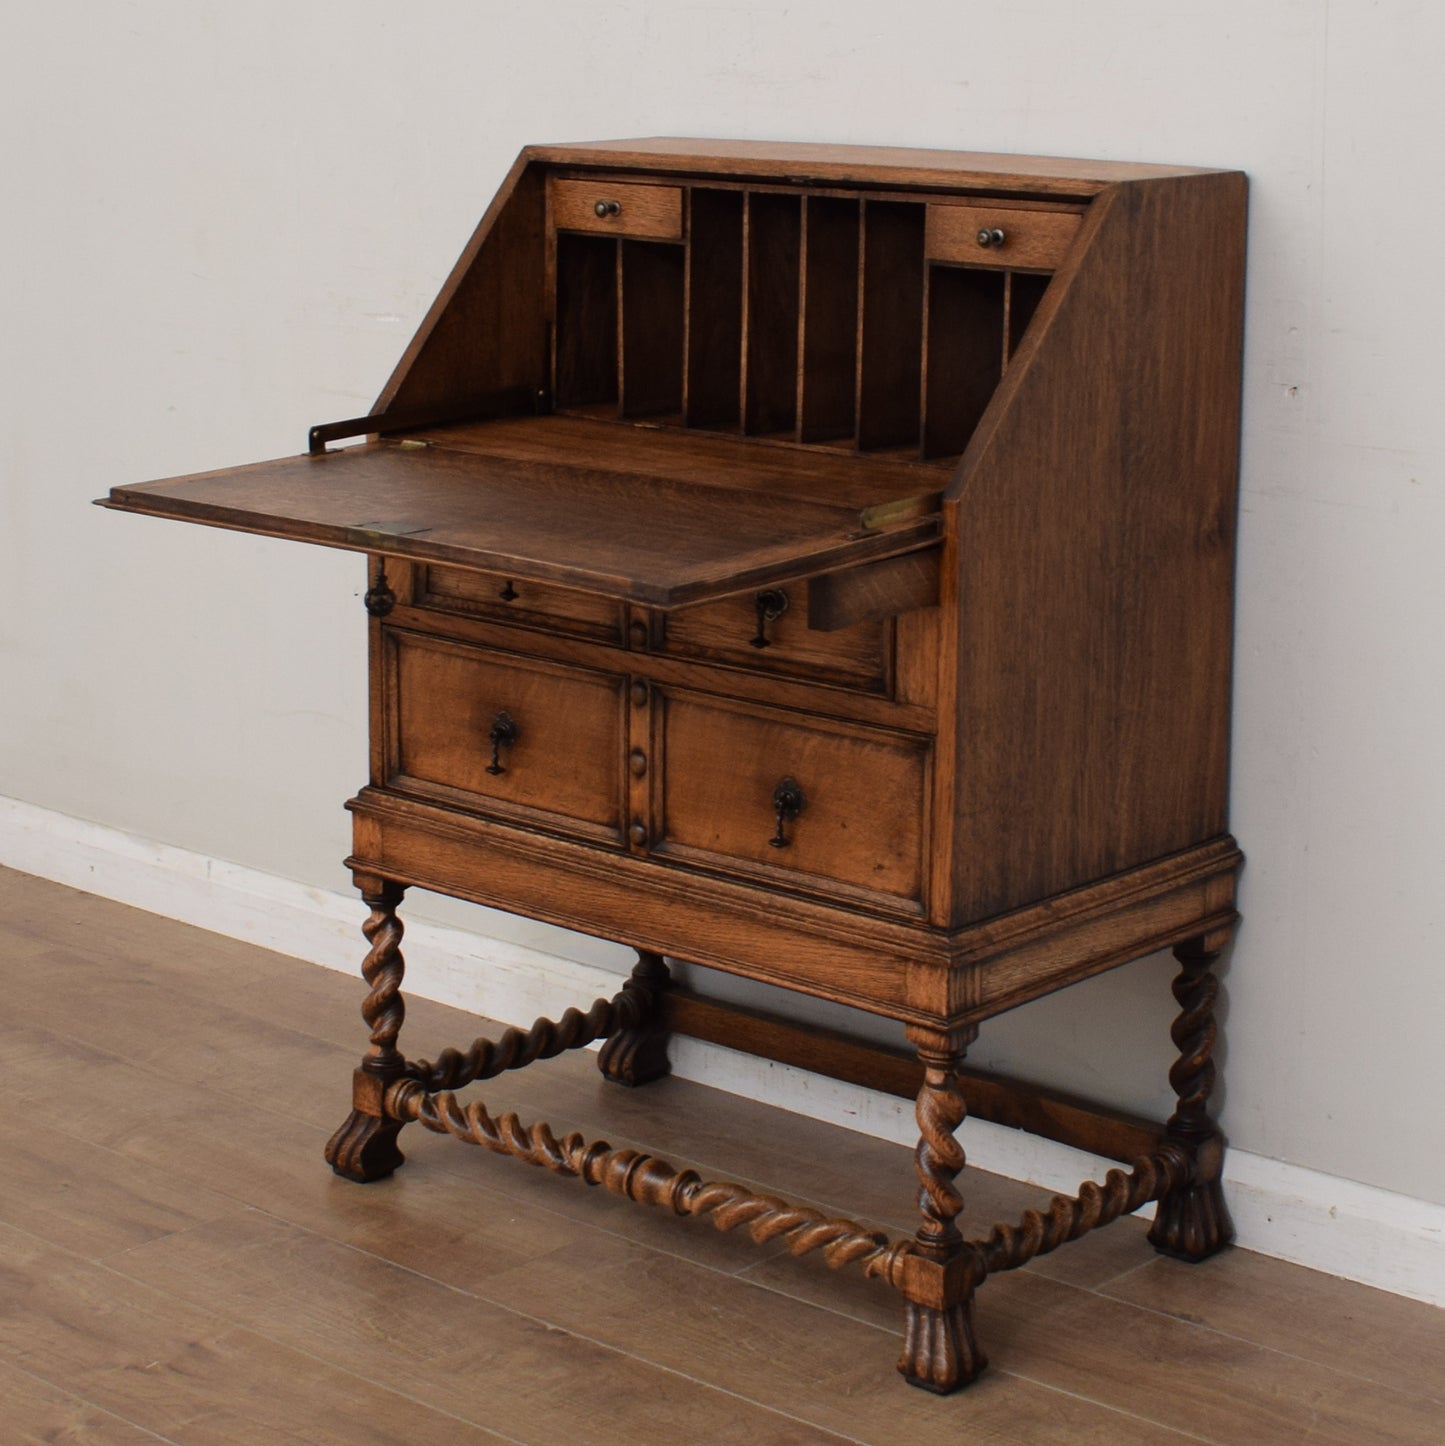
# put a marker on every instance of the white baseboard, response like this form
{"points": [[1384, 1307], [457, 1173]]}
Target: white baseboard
{"points": [[1357, 1231]]}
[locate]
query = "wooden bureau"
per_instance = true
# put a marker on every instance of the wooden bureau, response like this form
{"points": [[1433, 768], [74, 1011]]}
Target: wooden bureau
{"points": [[813, 563]]}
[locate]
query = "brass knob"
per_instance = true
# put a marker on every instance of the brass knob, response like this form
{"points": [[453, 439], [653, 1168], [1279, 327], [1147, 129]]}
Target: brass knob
{"points": [[608, 208], [991, 236]]}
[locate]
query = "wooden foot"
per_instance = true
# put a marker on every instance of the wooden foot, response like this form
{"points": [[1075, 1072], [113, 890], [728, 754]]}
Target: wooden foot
{"points": [[637, 1054], [365, 1148], [1192, 1222], [940, 1353]]}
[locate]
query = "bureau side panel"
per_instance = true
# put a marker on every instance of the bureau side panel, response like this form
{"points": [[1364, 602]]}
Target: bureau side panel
{"points": [[1094, 514], [487, 330]]}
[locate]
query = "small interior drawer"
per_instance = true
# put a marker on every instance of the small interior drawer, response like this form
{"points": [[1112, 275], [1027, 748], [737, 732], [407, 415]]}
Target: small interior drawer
{"points": [[499, 734], [518, 600], [730, 629], [625, 209], [861, 795], [1032, 240]]}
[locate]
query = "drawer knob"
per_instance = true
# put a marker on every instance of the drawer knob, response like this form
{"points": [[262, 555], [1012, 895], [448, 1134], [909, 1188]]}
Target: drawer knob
{"points": [[608, 208], [788, 803], [991, 236], [379, 598], [503, 734], [508, 592], [771, 604]]}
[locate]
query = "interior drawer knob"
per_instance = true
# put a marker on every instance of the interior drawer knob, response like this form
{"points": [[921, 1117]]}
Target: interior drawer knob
{"points": [[608, 208], [503, 734], [788, 803], [771, 604], [991, 236]]}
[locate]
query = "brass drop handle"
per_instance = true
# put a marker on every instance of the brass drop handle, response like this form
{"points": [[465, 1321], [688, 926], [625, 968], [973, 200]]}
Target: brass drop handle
{"points": [[788, 803], [608, 208], [771, 604], [991, 236], [503, 735]]}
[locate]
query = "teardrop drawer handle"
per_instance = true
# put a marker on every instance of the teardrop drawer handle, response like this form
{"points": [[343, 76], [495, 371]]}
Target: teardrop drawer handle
{"points": [[503, 734], [788, 803], [771, 604]]}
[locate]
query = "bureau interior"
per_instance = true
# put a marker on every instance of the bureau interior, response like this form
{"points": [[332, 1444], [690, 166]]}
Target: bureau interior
{"points": [[811, 319]]}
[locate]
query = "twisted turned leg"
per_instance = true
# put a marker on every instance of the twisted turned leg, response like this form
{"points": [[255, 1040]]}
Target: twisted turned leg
{"points": [[1192, 1221], [365, 1147], [938, 1280], [637, 1054]]}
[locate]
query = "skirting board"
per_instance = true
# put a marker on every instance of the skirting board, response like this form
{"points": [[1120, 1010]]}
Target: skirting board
{"points": [[1357, 1231]]}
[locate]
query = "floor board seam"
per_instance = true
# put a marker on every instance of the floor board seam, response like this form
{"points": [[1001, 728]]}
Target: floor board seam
{"points": [[233, 1323], [74, 1395]]}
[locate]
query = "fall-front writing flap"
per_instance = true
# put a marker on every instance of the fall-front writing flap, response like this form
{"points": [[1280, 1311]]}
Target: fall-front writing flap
{"points": [[659, 517]]}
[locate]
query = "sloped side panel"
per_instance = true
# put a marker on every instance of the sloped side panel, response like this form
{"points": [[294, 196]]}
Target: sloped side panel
{"points": [[1093, 518], [487, 330]]}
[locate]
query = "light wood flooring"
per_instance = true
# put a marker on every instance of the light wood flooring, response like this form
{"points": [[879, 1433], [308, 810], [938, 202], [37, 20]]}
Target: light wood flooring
{"points": [[178, 1264]]}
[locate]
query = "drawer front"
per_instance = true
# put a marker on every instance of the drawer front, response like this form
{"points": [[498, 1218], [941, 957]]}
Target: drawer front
{"points": [[607, 208], [853, 799], [1032, 240], [529, 604], [503, 735], [730, 629]]}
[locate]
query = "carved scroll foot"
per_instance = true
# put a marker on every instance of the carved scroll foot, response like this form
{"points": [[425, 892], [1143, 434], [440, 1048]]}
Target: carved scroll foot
{"points": [[364, 1148], [1192, 1221], [637, 1053], [940, 1353]]}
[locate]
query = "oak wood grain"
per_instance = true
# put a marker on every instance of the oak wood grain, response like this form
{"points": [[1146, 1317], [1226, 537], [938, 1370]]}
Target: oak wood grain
{"points": [[555, 522]]}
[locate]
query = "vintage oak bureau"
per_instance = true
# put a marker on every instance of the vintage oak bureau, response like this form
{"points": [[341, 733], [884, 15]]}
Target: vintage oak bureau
{"points": [[814, 563]]}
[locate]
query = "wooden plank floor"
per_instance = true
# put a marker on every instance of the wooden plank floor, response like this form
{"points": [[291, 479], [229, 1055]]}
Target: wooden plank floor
{"points": [[178, 1264]]}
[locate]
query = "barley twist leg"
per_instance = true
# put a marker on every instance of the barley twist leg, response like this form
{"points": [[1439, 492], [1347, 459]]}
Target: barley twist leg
{"points": [[637, 1054], [365, 1148], [940, 1352], [1192, 1221]]}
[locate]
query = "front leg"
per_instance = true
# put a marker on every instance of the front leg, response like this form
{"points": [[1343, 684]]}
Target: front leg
{"points": [[1192, 1221], [365, 1148], [939, 1350]]}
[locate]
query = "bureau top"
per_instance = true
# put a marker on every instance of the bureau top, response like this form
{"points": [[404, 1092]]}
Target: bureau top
{"points": [[807, 162]]}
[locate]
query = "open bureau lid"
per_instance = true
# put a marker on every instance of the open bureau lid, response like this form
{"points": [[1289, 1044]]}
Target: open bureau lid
{"points": [[671, 370], [639, 513]]}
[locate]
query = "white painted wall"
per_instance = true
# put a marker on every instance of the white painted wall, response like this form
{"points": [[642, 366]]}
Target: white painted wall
{"points": [[221, 223]]}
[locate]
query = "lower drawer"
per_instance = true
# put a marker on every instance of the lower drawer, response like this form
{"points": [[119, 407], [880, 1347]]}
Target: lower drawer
{"points": [[810, 803], [536, 741]]}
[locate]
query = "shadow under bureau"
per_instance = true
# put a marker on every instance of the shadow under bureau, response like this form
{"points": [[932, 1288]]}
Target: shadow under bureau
{"points": [[813, 563]]}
